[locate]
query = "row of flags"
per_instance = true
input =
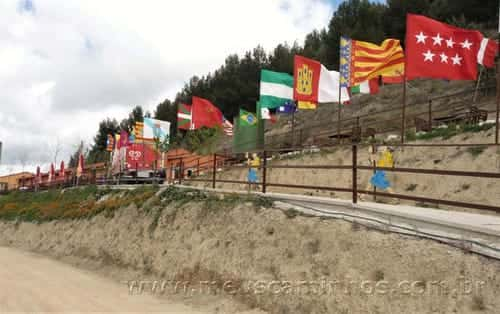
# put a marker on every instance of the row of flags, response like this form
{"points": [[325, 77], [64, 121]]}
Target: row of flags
{"points": [[433, 50], [62, 171], [202, 113], [142, 132]]}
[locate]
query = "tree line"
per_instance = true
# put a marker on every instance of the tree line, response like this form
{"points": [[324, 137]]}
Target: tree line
{"points": [[235, 84]]}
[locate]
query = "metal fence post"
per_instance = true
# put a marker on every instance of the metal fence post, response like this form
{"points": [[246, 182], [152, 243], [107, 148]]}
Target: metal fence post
{"points": [[264, 172], [181, 171], [214, 171], [354, 174]]}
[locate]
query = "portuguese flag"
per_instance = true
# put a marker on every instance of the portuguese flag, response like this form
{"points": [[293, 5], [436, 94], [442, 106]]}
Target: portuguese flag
{"points": [[184, 117]]}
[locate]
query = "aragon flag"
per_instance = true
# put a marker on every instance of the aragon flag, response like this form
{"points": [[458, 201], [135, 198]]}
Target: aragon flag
{"points": [[361, 62], [205, 114], [184, 117], [314, 84]]}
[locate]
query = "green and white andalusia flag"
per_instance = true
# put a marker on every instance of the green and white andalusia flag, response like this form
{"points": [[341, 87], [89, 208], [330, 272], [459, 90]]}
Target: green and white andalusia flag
{"points": [[275, 89]]}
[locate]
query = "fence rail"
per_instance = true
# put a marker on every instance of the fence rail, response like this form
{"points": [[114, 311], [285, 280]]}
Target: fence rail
{"points": [[355, 168], [219, 165]]}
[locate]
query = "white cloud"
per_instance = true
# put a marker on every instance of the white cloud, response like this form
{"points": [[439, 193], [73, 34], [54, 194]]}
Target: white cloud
{"points": [[68, 64]]}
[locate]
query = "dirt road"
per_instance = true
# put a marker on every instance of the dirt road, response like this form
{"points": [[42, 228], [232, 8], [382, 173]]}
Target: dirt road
{"points": [[31, 283]]}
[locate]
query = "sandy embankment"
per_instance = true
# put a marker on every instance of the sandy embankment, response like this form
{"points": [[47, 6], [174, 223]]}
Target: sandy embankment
{"points": [[268, 260]]}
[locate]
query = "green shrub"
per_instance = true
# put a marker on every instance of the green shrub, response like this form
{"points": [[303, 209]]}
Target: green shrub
{"points": [[476, 150], [410, 135]]}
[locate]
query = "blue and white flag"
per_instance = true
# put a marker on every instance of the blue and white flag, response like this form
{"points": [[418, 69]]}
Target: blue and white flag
{"points": [[287, 108]]}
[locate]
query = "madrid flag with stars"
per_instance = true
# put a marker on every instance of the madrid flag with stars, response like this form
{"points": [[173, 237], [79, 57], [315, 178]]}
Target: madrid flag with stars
{"points": [[441, 51]]}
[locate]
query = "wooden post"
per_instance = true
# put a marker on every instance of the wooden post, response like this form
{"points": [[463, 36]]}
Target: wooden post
{"points": [[293, 128], [403, 114], [214, 171], [374, 163], [136, 172], [264, 172], [430, 114], [198, 167], [181, 172], [354, 174]]}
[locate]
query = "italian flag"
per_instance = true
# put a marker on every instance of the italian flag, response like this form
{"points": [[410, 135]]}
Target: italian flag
{"points": [[275, 89], [367, 87]]}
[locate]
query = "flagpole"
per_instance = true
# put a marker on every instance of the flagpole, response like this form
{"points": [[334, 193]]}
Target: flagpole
{"points": [[477, 86], [405, 79], [403, 114], [338, 118], [498, 102], [340, 98], [498, 86]]}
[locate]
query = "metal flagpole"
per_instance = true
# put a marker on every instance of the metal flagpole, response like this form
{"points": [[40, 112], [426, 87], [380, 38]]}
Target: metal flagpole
{"points": [[477, 86], [339, 116], [340, 97], [498, 102], [498, 84], [403, 114]]}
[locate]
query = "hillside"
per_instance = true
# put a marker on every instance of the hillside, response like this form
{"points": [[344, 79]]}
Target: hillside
{"points": [[382, 112], [473, 190], [274, 262]]}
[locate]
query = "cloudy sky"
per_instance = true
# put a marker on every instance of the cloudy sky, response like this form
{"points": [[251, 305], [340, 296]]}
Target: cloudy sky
{"points": [[67, 64]]}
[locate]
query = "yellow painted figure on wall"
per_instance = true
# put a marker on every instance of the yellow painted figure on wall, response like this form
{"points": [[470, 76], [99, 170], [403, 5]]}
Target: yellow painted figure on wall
{"points": [[254, 164], [379, 178]]}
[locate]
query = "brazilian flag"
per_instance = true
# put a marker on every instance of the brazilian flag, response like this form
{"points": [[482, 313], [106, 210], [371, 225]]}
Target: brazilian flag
{"points": [[248, 132], [247, 118]]}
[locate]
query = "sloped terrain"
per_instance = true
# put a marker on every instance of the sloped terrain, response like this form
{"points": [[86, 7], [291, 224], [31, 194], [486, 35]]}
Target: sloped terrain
{"points": [[466, 189], [264, 259], [381, 112]]}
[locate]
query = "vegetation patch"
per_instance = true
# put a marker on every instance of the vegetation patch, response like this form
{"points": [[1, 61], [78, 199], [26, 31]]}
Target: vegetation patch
{"points": [[411, 187], [476, 150], [86, 202], [74, 203], [452, 130]]}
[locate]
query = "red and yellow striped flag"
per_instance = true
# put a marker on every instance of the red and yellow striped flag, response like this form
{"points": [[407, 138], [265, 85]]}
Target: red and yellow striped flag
{"points": [[362, 61], [138, 131]]}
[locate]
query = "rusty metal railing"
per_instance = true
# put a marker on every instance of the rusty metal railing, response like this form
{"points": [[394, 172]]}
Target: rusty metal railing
{"points": [[356, 168]]}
